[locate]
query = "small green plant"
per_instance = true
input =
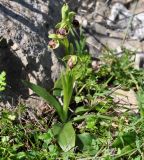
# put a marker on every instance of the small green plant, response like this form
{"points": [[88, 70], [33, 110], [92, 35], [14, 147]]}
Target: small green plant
{"points": [[20, 140], [120, 70], [2, 81], [66, 81], [66, 128]]}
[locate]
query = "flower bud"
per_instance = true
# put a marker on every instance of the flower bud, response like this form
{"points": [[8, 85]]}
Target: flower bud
{"points": [[76, 23], [72, 61]]}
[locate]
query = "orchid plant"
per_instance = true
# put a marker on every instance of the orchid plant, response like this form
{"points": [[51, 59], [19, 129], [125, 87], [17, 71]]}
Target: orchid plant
{"points": [[65, 83]]}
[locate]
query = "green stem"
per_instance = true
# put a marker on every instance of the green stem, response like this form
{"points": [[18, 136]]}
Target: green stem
{"points": [[65, 43], [67, 84]]}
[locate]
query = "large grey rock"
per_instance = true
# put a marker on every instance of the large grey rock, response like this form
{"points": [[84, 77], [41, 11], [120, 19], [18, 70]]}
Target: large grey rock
{"points": [[106, 26], [24, 24]]}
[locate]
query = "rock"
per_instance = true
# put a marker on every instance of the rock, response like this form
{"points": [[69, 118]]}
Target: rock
{"points": [[26, 24], [94, 46], [122, 1], [100, 12], [24, 27], [15, 47], [139, 60], [139, 9], [112, 34], [126, 100], [82, 21], [122, 18]]}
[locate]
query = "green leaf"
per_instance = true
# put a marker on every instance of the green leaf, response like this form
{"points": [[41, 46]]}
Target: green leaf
{"points": [[71, 48], [2, 75], [82, 109], [21, 155], [125, 139], [56, 128], [42, 92], [57, 87], [15, 147], [5, 139], [77, 46], [71, 16], [67, 18], [67, 136], [58, 25], [138, 158], [56, 36], [126, 149], [65, 43], [64, 11], [82, 117], [84, 141], [46, 137], [12, 117]]}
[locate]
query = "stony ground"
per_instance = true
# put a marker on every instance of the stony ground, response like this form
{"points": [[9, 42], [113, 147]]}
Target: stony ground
{"points": [[24, 27]]}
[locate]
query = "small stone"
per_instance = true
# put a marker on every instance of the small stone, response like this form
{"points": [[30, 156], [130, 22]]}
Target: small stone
{"points": [[95, 65], [15, 47], [84, 23], [127, 100]]}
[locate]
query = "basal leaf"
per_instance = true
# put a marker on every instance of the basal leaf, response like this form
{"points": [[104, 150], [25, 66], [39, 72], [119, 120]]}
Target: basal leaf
{"points": [[56, 129], [66, 137], [42, 92]]}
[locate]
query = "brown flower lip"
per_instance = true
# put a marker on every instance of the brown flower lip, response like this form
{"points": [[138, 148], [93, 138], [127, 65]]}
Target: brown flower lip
{"points": [[62, 31], [52, 44]]}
